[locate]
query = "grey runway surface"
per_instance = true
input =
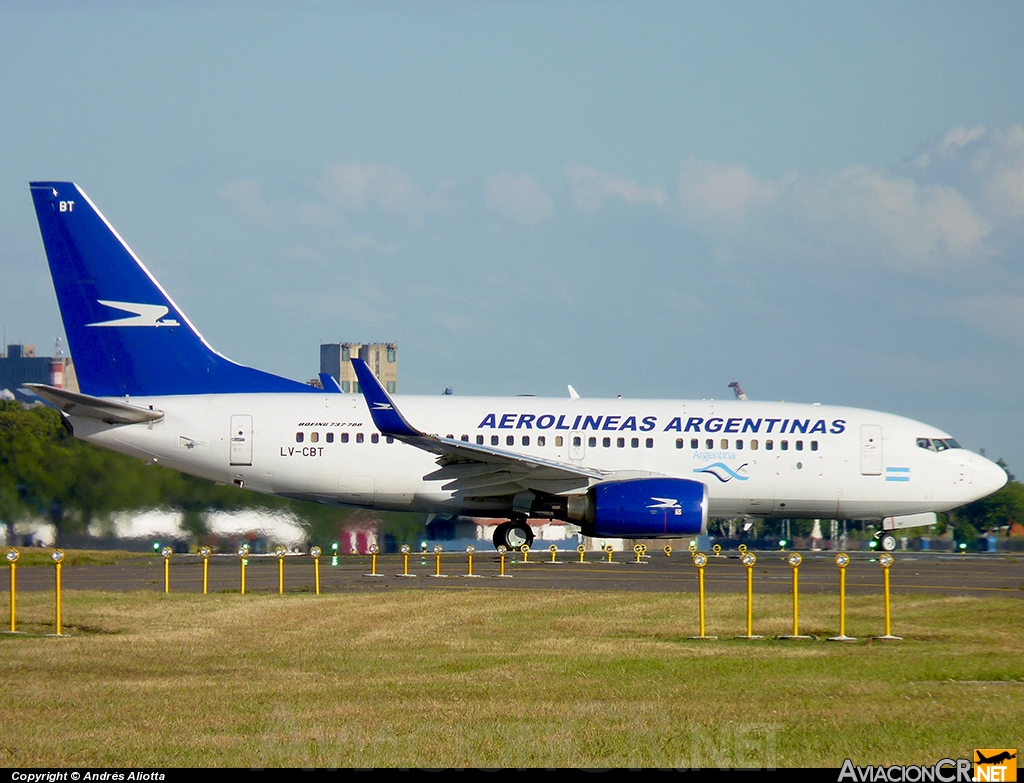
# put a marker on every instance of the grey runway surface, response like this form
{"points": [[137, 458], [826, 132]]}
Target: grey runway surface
{"points": [[912, 572]]}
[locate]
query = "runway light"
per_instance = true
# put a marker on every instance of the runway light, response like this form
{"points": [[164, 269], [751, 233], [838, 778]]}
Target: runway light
{"points": [[842, 560], [243, 554], [469, 554], [57, 557], [205, 552], [873, 544], [374, 550], [502, 550], [749, 559], [700, 560], [782, 544], [405, 549], [165, 553], [12, 559], [315, 552], [280, 551], [886, 562], [582, 551], [437, 550], [795, 559]]}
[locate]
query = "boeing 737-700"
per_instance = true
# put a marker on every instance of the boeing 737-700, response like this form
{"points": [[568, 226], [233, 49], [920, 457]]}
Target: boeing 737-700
{"points": [[152, 387]]}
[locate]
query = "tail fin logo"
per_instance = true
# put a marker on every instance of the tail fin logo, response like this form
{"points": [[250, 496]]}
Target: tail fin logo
{"points": [[141, 315]]}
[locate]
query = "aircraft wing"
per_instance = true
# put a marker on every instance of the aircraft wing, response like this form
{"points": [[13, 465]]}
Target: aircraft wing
{"points": [[470, 467]]}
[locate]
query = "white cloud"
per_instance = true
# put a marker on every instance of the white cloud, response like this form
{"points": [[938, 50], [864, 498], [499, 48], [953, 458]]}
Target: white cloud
{"points": [[244, 196], [518, 196], [357, 185], [592, 188], [721, 192], [869, 214], [910, 223]]}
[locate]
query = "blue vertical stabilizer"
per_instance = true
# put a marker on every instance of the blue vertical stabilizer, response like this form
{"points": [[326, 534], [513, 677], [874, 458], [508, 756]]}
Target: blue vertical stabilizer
{"points": [[127, 337]]}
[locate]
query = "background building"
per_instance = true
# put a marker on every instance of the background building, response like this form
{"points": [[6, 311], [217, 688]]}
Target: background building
{"points": [[20, 365], [382, 358]]}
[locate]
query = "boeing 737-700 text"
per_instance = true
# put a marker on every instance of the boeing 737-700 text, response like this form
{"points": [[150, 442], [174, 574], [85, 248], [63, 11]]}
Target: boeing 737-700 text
{"points": [[151, 386]]}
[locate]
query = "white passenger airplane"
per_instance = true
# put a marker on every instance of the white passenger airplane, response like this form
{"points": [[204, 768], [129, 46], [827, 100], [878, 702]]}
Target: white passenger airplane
{"points": [[153, 388]]}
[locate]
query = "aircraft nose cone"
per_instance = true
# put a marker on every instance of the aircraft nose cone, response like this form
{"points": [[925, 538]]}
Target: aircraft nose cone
{"points": [[990, 477]]}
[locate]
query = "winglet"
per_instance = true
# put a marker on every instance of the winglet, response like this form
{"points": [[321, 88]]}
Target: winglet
{"points": [[330, 385], [386, 415]]}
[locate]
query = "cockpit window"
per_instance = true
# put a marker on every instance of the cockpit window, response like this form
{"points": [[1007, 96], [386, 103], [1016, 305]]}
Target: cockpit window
{"points": [[937, 444]]}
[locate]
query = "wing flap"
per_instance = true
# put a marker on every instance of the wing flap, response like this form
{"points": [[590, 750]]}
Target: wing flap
{"points": [[110, 411]]}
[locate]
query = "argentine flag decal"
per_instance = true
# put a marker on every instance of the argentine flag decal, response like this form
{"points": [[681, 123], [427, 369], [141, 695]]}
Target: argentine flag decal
{"points": [[897, 474]]}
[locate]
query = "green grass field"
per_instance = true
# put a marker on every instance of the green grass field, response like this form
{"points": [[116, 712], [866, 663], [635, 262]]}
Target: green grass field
{"points": [[503, 678]]}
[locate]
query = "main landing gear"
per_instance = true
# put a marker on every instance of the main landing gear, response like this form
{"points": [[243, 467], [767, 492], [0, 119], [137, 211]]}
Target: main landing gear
{"points": [[513, 534], [886, 540]]}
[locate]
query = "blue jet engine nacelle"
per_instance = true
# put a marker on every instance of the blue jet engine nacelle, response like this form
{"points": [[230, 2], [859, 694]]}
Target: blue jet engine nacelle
{"points": [[645, 508]]}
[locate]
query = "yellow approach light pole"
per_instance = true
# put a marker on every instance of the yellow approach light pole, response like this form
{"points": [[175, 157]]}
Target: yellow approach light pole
{"points": [[886, 562], [700, 560], [795, 560], [315, 552], [165, 553], [204, 552], [57, 556], [280, 551], [243, 554], [12, 558], [749, 559], [842, 560]]}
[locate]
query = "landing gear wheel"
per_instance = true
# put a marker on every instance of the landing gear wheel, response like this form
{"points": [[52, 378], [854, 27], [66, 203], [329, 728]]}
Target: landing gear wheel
{"points": [[512, 535], [887, 542]]}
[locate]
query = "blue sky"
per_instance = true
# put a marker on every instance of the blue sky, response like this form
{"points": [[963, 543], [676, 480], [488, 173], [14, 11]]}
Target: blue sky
{"points": [[824, 202]]}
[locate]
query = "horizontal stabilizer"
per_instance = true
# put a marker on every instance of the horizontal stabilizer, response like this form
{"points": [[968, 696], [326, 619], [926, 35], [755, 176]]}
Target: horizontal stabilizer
{"points": [[74, 404]]}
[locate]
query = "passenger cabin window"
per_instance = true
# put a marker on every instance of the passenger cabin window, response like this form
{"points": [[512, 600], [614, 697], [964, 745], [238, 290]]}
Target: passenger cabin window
{"points": [[679, 443], [510, 440], [541, 440], [753, 444], [739, 445], [650, 443], [494, 440], [359, 437], [606, 442], [592, 442], [479, 440], [559, 441], [375, 438], [298, 437], [344, 437], [693, 443], [769, 445], [314, 437], [330, 437]]}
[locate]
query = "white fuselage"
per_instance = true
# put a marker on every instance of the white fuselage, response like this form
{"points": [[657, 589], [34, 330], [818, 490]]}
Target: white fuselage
{"points": [[756, 458]]}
